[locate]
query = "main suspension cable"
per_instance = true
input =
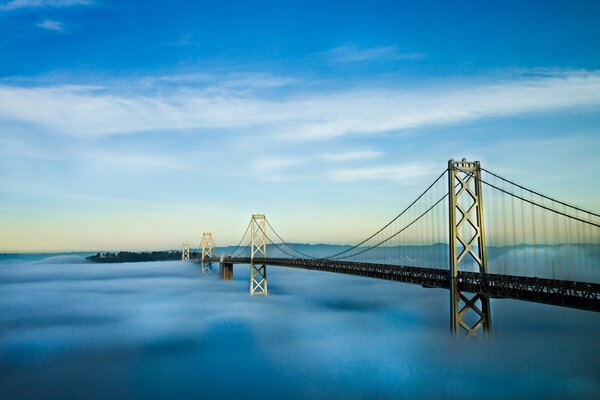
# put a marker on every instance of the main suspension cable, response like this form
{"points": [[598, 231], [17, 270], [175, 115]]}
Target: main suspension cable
{"points": [[541, 206], [243, 249], [274, 244], [242, 239], [392, 221], [541, 194], [286, 243], [401, 230]]}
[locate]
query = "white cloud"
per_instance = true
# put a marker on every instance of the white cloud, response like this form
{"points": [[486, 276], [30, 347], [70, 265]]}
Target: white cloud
{"points": [[218, 82], [132, 161], [351, 155], [78, 111], [274, 169], [356, 54], [51, 25], [280, 169], [383, 172], [275, 164], [16, 4]]}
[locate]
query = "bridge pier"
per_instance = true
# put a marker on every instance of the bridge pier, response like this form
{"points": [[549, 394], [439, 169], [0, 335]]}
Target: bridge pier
{"points": [[225, 271]]}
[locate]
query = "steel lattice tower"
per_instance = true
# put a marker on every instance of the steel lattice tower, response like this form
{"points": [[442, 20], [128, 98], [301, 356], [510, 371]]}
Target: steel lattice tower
{"points": [[467, 246], [206, 247], [185, 252], [258, 246]]}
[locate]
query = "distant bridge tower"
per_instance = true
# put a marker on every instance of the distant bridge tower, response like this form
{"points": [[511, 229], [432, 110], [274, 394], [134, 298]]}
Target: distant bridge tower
{"points": [[467, 246], [185, 252], [206, 247], [258, 249]]}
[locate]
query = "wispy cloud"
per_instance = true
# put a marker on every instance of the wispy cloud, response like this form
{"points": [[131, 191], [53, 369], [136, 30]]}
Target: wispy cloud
{"points": [[357, 54], [274, 169], [132, 161], [216, 82], [310, 116], [16, 4], [294, 168], [51, 25], [382, 172], [351, 155], [273, 163], [185, 40]]}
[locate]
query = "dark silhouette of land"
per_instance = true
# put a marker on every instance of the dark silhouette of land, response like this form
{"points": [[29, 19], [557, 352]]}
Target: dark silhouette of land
{"points": [[130, 256]]}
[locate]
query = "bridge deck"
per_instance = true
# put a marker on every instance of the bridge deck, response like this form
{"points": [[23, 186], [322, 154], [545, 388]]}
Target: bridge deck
{"points": [[548, 291]]}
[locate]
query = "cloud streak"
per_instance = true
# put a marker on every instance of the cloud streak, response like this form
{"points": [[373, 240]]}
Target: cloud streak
{"points": [[51, 25], [356, 54], [83, 112], [382, 173], [18, 4], [351, 155], [133, 161]]}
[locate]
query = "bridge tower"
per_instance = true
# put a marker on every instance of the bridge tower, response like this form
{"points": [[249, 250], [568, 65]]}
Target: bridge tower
{"points": [[206, 246], [258, 249], [467, 246], [185, 252]]}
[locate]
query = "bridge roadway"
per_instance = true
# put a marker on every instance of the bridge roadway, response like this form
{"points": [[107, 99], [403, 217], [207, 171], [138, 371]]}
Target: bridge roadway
{"points": [[548, 291]]}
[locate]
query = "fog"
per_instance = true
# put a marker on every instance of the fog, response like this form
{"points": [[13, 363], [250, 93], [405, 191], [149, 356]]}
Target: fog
{"points": [[71, 329]]}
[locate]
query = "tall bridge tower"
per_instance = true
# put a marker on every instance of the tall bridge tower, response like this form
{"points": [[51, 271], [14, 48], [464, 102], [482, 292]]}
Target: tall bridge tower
{"points": [[206, 246], [185, 252], [467, 246], [258, 249]]}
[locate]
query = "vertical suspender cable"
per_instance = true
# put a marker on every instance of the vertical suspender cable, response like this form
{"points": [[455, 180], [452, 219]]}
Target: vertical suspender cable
{"points": [[523, 235], [514, 270]]}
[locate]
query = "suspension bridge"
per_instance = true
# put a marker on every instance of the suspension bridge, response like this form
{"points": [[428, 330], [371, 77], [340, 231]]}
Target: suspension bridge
{"points": [[521, 245]]}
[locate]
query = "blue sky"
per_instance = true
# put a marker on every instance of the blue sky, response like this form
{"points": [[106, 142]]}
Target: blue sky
{"points": [[138, 125]]}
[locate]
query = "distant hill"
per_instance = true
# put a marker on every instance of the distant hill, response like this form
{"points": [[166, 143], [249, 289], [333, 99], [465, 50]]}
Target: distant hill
{"points": [[546, 260], [130, 256]]}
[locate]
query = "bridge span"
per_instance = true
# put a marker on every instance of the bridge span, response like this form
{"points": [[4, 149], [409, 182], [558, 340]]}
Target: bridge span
{"points": [[571, 294], [522, 245]]}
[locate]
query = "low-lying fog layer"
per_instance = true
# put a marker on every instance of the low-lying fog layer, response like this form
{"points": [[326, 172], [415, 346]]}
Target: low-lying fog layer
{"points": [[70, 329]]}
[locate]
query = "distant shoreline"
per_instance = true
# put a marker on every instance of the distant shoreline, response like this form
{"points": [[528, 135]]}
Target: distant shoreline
{"points": [[130, 256]]}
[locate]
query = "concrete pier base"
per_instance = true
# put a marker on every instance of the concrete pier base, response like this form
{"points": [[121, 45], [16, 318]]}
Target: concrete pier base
{"points": [[225, 271]]}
